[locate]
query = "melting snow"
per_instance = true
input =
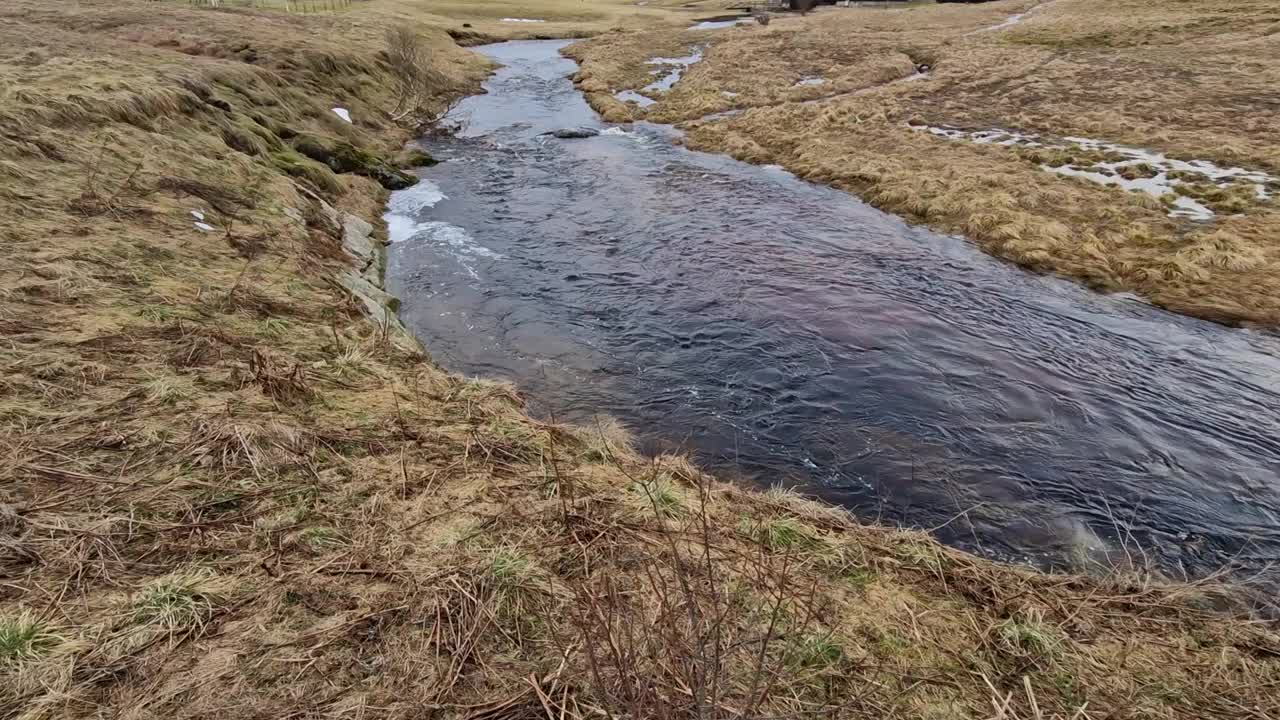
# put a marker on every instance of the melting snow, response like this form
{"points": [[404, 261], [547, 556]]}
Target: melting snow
{"points": [[721, 24], [1161, 184]]}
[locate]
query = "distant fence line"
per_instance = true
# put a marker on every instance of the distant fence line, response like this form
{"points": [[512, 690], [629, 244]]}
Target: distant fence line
{"points": [[292, 6]]}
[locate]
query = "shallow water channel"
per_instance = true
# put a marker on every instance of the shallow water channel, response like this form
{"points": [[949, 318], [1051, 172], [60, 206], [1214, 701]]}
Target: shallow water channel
{"points": [[785, 332]]}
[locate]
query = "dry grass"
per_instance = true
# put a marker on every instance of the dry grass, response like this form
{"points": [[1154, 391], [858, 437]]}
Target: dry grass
{"points": [[1192, 80], [225, 492]]}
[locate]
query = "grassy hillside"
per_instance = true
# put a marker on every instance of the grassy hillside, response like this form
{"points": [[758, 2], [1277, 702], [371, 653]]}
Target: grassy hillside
{"points": [[1193, 80], [233, 487]]}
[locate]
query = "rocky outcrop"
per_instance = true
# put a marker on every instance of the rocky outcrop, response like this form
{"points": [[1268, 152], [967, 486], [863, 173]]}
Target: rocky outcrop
{"points": [[364, 281], [341, 156], [573, 133]]}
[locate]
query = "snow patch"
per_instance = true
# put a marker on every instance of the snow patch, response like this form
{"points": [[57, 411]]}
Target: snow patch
{"points": [[457, 242], [197, 215], [203, 227], [721, 24], [1150, 172], [523, 20], [342, 113]]}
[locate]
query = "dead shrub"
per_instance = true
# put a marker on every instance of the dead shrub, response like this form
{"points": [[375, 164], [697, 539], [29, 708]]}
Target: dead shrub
{"points": [[416, 80], [95, 200], [704, 629], [245, 447], [221, 198], [281, 385]]}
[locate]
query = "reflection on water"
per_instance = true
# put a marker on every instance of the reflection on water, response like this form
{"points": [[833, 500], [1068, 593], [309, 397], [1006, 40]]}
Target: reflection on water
{"points": [[787, 332]]}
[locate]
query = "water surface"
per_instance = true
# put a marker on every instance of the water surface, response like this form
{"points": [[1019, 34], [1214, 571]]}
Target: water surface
{"points": [[786, 332]]}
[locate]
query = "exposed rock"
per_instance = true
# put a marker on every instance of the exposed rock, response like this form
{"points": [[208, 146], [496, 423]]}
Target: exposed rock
{"points": [[573, 133], [343, 157], [377, 301], [365, 282], [319, 176], [357, 240], [414, 158]]}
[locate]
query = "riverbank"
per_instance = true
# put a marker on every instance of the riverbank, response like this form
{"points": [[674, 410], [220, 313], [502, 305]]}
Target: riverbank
{"points": [[230, 491], [1189, 82]]}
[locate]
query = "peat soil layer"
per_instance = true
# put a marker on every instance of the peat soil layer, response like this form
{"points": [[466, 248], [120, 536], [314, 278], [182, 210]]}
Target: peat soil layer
{"points": [[789, 332]]}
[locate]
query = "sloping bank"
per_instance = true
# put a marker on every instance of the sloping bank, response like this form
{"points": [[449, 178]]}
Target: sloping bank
{"points": [[233, 488]]}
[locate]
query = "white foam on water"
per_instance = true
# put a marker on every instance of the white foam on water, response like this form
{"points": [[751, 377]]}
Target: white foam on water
{"points": [[457, 238], [342, 113], [203, 227], [1162, 184], [628, 134], [460, 244], [1129, 297], [423, 194], [405, 205], [523, 20]]}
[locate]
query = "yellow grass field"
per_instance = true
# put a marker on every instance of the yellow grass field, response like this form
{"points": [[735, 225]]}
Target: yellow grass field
{"points": [[232, 486], [1192, 80]]}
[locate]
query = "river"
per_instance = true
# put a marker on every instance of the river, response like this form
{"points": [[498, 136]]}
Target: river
{"points": [[785, 332]]}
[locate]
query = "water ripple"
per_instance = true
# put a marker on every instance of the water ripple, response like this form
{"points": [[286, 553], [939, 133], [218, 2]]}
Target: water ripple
{"points": [[786, 332]]}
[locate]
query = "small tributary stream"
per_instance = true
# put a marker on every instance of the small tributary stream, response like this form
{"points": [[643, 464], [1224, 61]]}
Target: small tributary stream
{"points": [[786, 332]]}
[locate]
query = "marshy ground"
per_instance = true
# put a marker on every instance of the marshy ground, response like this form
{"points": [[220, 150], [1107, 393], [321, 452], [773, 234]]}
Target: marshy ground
{"points": [[229, 493], [1193, 81]]}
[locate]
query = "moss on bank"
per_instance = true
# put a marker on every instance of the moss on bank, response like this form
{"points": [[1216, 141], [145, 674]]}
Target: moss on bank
{"points": [[341, 156], [227, 492]]}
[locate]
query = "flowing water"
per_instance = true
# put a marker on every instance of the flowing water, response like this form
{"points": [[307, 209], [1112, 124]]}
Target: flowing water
{"points": [[785, 332]]}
